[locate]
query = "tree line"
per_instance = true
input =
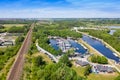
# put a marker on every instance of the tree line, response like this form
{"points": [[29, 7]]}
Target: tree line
{"points": [[99, 59]]}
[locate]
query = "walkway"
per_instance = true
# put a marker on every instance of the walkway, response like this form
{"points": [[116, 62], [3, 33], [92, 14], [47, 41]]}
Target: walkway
{"points": [[46, 52]]}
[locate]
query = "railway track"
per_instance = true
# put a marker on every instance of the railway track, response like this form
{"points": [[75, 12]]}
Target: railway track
{"points": [[17, 67]]}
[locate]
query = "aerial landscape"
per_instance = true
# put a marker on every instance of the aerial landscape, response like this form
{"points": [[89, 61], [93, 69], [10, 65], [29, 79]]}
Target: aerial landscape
{"points": [[60, 40]]}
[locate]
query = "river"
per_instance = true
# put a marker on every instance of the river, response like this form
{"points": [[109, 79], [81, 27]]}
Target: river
{"points": [[113, 27], [112, 32]]}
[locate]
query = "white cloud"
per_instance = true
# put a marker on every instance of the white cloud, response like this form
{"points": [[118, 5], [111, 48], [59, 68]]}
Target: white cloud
{"points": [[56, 13], [77, 9]]}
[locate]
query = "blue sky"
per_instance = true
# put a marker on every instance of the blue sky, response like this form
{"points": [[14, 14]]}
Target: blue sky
{"points": [[60, 9]]}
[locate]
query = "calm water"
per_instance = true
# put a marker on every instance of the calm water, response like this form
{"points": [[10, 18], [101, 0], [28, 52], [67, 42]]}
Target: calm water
{"points": [[114, 27], [53, 43], [74, 44], [112, 32], [100, 47]]}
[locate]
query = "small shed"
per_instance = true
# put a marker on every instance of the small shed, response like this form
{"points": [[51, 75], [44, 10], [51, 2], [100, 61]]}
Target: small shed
{"points": [[82, 63]]}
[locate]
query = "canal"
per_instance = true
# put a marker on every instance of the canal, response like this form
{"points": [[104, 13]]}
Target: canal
{"points": [[113, 29], [100, 47], [112, 32]]}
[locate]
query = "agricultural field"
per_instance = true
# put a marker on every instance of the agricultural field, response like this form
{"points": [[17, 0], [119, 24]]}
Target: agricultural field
{"points": [[11, 25], [8, 26]]}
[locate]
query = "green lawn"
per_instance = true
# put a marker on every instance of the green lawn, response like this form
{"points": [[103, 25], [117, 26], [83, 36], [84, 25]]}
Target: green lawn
{"points": [[45, 57], [80, 70], [8, 26], [102, 76]]}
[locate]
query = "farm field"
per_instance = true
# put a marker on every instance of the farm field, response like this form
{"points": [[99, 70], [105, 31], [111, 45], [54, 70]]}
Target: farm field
{"points": [[11, 25]]}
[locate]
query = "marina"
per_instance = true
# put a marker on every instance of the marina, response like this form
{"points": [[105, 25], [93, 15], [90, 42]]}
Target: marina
{"points": [[67, 44]]}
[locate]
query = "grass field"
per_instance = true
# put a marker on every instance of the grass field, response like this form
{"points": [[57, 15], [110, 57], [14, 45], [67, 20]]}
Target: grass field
{"points": [[7, 26], [102, 76], [11, 25], [80, 70], [45, 57]]}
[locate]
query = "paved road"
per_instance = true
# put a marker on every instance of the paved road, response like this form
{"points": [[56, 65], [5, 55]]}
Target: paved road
{"points": [[17, 67]]}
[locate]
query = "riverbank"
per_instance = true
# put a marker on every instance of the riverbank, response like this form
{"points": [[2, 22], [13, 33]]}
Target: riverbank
{"points": [[111, 48], [90, 48], [116, 53]]}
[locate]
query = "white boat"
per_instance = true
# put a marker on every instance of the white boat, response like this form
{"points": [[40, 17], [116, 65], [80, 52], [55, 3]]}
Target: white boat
{"points": [[77, 48], [106, 46], [115, 54]]}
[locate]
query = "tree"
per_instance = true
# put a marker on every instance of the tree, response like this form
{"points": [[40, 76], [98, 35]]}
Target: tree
{"points": [[15, 29], [99, 59], [93, 58], [71, 51], [87, 70], [104, 60], [2, 27], [65, 60], [117, 78], [2, 52], [19, 40], [38, 61]]}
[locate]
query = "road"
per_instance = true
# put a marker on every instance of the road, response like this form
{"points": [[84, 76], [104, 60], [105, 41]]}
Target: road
{"points": [[17, 67]]}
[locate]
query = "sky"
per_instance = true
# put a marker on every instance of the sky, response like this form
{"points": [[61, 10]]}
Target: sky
{"points": [[59, 8]]}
